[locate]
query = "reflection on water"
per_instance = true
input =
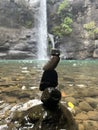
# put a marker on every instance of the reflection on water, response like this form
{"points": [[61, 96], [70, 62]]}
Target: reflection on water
{"points": [[19, 81]]}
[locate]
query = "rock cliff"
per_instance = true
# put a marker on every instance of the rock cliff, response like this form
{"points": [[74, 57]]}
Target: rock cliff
{"points": [[18, 29], [81, 43]]}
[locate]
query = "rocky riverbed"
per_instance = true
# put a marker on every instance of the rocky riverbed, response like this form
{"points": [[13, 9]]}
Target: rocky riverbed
{"points": [[19, 82]]}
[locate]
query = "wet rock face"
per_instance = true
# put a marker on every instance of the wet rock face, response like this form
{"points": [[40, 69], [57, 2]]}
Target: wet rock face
{"points": [[20, 16], [41, 118], [77, 45], [15, 14], [17, 34]]}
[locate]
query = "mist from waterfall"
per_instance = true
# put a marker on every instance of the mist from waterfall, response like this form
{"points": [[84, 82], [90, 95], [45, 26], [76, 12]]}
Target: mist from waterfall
{"points": [[42, 31]]}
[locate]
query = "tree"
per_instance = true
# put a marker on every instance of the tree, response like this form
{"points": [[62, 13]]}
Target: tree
{"points": [[65, 26]]}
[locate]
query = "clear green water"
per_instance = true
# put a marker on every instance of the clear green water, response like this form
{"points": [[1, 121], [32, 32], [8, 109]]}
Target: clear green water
{"points": [[82, 72], [15, 75], [78, 71]]}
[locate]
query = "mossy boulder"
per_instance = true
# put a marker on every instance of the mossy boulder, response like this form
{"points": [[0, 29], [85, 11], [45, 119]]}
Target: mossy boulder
{"points": [[41, 118]]}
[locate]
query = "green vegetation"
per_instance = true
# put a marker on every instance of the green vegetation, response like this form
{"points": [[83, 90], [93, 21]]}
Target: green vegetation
{"points": [[28, 24], [96, 30], [91, 28], [64, 28], [62, 6], [65, 21]]}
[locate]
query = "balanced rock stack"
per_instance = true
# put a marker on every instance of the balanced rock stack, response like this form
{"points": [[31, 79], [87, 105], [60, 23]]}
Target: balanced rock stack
{"points": [[50, 76], [59, 116]]}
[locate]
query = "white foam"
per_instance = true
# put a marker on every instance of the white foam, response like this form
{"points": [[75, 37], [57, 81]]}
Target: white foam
{"points": [[27, 105], [3, 127]]}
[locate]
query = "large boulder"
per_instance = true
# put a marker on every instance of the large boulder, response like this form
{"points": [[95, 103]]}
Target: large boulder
{"points": [[40, 118]]}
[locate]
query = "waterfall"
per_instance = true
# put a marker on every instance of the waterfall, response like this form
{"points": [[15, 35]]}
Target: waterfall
{"points": [[42, 30], [51, 37]]}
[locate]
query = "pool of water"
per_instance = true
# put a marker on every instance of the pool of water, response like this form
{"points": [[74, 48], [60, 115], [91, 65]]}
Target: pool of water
{"points": [[28, 72], [82, 72], [19, 80]]}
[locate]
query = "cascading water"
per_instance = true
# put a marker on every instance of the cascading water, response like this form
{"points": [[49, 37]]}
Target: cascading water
{"points": [[51, 37], [42, 30]]}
